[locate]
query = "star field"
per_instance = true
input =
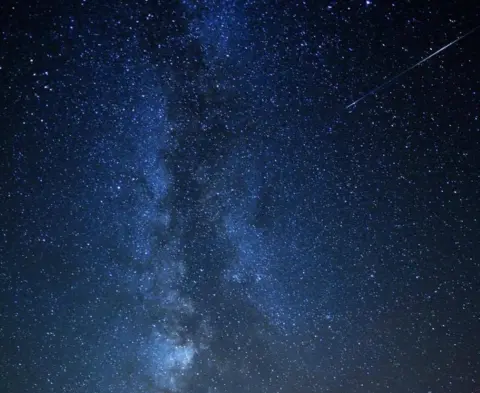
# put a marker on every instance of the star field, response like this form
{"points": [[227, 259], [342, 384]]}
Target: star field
{"points": [[188, 207]]}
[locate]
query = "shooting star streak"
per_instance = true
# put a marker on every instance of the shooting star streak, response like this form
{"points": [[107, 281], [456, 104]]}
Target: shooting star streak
{"points": [[411, 68]]}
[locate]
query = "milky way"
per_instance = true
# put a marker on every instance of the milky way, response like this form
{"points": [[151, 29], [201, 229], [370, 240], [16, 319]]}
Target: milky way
{"points": [[187, 207]]}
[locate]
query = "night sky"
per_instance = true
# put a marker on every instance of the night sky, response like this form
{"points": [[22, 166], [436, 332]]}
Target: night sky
{"points": [[187, 205]]}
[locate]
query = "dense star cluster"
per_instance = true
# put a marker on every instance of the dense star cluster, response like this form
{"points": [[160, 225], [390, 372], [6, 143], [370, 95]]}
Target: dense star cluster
{"points": [[187, 205]]}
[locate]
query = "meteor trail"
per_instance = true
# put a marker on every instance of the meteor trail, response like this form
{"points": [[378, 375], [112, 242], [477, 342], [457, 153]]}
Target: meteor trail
{"points": [[411, 68]]}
